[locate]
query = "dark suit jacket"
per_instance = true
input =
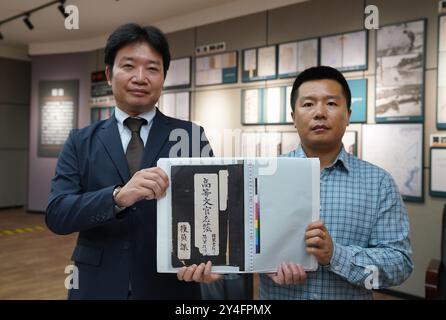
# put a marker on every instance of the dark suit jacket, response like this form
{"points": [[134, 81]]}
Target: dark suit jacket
{"points": [[113, 251]]}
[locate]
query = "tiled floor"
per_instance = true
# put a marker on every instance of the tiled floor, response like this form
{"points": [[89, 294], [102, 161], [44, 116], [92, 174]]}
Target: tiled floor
{"points": [[33, 259]]}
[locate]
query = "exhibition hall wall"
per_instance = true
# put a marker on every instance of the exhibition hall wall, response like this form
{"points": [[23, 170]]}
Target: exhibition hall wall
{"points": [[219, 107]]}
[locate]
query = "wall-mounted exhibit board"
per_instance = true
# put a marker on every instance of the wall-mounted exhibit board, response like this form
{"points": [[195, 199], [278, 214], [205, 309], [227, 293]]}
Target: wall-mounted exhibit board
{"points": [[54, 68], [218, 107], [437, 186], [58, 107], [288, 25], [259, 63], [102, 101], [397, 148], [345, 51], [14, 131], [265, 106], [179, 74], [400, 56], [214, 69], [296, 56], [175, 104], [441, 81]]}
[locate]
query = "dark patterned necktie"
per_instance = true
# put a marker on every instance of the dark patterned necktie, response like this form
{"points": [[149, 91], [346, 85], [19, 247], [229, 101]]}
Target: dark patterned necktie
{"points": [[135, 148]]}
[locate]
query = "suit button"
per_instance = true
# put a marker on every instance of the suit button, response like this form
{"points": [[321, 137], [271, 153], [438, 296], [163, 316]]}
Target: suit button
{"points": [[133, 208], [126, 245]]}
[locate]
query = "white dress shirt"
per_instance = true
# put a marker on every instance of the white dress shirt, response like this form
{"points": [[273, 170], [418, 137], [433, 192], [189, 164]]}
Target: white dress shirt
{"points": [[125, 132]]}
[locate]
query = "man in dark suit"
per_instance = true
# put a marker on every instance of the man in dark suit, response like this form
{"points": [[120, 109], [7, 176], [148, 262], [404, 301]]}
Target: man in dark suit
{"points": [[106, 183]]}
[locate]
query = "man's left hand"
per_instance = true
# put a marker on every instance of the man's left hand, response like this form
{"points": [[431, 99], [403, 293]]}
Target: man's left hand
{"points": [[201, 273], [319, 242]]}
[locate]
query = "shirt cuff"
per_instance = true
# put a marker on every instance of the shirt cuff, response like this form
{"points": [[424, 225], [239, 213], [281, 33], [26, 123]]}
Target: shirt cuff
{"points": [[342, 260]]}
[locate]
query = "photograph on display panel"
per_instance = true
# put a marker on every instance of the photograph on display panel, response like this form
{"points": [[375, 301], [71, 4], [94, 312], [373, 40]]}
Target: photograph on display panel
{"points": [[358, 88], [216, 69], [273, 106], [251, 106], [270, 144], [294, 57], [400, 56], [259, 63], [176, 105], [345, 51], [265, 106], [290, 141], [437, 187], [250, 144], [401, 154], [441, 81], [350, 142]]}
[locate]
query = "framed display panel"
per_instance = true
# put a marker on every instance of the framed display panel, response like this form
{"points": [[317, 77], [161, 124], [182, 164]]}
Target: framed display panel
{"points": [[397, 148], [176, 105], [345, 51], [216, 69], [274, 105], [179, 75], [264, 106], [270, 144], [437, 186], [288, 110], [358, 89], [99, 85], [100, 113], [441, 74], [437, 140], [259, 63], [350, 141], [252, 101], [295, 57], [58, 108], [290, 141], [400, 60], [250, 144]]}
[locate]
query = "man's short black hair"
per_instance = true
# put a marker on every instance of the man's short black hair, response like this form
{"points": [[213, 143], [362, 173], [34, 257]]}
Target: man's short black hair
{"points": [[320, 73], [131, 33]]}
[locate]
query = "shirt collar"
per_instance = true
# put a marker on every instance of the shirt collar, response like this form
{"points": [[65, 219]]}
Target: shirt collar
{"points": [[341, 158], [121, 115]]}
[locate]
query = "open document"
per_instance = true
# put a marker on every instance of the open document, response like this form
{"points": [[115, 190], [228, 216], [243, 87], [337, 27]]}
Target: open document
{"points": [[244, 214]]}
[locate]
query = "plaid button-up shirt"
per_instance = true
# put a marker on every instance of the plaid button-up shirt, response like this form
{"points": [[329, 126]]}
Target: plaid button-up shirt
{"points": [[366, 218]]}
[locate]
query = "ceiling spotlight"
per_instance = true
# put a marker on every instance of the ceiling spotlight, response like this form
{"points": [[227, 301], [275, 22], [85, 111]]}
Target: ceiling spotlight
{"points": [[28, 22], [61, 8]]}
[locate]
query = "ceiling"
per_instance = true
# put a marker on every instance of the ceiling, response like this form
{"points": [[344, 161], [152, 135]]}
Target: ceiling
{"points": [[96, 17]]}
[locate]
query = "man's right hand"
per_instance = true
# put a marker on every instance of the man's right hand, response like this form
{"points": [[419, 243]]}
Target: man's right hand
{"points": [[289, 273], [146, 184]]}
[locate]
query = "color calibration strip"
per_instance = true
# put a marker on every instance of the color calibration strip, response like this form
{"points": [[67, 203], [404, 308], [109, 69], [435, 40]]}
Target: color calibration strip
{"points": [[257, 217]]}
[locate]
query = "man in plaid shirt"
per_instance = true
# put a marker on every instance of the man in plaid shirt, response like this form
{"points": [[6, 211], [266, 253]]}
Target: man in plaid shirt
{"points": [[362, 239]]}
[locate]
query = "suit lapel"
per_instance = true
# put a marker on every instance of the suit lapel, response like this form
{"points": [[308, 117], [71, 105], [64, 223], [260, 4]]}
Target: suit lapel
{"points": [[110, 138], [159, 132]]}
